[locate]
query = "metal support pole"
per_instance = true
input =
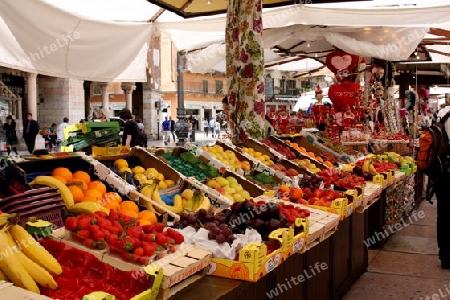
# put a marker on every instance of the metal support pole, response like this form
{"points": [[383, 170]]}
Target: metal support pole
{"points": [[181, 127]]}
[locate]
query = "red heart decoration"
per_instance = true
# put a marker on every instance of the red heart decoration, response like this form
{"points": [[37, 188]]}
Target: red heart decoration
{"points": [[337, 61], [344, 94]]}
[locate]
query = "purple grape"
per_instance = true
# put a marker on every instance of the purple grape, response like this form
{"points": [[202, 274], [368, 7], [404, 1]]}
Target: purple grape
{"points": [[220, 238], [211, 236]]}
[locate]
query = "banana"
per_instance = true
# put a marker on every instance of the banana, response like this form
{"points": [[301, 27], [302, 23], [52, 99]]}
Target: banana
{"points": [[3, 276], [87, 208], [4, 219], [34, 251], [196, 200], [40, 275], [147, 190], [205, 204], [177, 204], [372, 170], [13, 268], [365, 166], [53, 182], [176, 208]]}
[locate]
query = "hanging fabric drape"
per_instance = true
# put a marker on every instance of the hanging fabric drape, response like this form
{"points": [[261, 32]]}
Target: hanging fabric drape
{"points": [[245, 69]]}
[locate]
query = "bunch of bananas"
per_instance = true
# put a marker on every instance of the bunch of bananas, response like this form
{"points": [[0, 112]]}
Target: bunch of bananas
{"points": [[369, 167], [75, 208], [188, 200], [24, 262]]}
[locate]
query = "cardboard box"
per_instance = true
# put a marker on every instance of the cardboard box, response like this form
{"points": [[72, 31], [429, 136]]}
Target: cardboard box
{"points": [[253, 263]]}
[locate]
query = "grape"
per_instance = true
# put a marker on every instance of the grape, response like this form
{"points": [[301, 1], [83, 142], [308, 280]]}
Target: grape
{"points": [[223, 226], [184, 223], [221, 219], [226, 232], [208, 218], [231, 238], [202, 213], [216, 230], [211, 236], [192, 219], [220, 238], [183, 216]]}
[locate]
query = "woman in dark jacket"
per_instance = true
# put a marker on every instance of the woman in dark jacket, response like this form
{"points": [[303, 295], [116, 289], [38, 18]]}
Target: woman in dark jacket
{"points": [[10, 133]]}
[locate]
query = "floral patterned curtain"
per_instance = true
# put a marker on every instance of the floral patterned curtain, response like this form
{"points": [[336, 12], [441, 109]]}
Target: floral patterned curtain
{"points": [[245, 69]]}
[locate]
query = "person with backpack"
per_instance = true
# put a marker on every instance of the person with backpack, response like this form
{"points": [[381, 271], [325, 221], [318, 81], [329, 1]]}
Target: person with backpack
{"points": [[434, 160]]}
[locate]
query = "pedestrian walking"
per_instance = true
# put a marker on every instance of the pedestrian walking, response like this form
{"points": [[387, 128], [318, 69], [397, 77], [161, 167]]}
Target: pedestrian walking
{"points": [[52, 137], [217, 129], [31, 129], [212, 125], [10, 135], [205, 126], [60, 136], [166, 126], [172, 129]]}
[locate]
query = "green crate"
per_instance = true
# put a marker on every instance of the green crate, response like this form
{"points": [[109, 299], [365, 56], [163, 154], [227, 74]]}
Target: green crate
{"points": [[94, 126]]}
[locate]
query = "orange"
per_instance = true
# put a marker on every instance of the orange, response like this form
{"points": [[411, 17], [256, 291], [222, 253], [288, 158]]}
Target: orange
{"points": [[284, 190], [97, 185], [81, 184], [82, 175], [77, 193], [129, 205], [90, 198], [149, 216], [143, 222], [296, 193], [112, 205], [63, 172], [93, 193], [112, 197], [130, 213], [60, 178]]}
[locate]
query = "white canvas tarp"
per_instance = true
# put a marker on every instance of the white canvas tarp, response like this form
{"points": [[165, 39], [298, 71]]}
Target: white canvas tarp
{"points": [[39, 38]]}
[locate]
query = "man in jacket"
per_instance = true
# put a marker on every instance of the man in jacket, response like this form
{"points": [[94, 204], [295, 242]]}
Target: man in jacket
{"points": [[172, 128], [30, 130], [166, 127]]}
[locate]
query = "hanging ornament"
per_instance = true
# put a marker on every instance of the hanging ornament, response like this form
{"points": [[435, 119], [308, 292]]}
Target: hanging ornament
{"points": [[341, 63], [344, 94]]}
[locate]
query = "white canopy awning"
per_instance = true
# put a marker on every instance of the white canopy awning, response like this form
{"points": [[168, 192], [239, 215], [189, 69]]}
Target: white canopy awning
{"points": [[39, 38]]}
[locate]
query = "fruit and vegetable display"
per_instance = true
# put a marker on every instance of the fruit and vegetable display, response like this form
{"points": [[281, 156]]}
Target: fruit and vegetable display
{"points": [[178, 202], [289, 172], [265, 180], [308, 196], [83, 273], [25, 263], [307, 164], [229, 187], [341, 179], [227, 157], [264, 158], [191, 166], [262, 216], [280, 148], [325, 160]]}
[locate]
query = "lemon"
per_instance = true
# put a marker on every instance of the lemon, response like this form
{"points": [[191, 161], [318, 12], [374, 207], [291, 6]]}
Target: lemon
{"points": [[162, 185], [169, 183], [138, 170], [124, 169], [120, 163], [160, 177]]}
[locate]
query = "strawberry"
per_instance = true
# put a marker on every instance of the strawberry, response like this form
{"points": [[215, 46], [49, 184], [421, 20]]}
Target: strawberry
{"points": [[71, 223], [83, 234], [149, 237], [84, 223], [94, 220], [98, 235], [105, 232], [158, 227], [139, 251], [147, 228], [113, 229], [89, 243], [161, 239], [113, 215], [157, 247], [149, 249], [172, 249], [134, 231], [127, 244], [102, 222], [112, 239], [117, 224], [100, 213], [144, 260], [93, 228]]}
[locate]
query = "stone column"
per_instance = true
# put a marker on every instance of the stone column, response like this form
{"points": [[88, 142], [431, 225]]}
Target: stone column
{"points": [[32, 94], [105, 99], [128, 89], [19, 108]]}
